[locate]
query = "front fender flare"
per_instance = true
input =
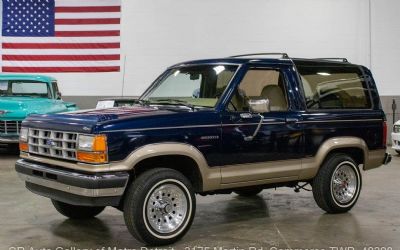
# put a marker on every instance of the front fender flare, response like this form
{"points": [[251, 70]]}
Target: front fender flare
{"points": [[211, 177]]}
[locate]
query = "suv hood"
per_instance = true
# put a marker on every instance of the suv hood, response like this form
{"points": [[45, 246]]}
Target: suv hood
{"points": [[110, 114], [20, 107], [86, 121]]}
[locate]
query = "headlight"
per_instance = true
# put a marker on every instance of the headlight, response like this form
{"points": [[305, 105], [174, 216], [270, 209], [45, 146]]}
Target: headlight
{"points": [[23, 139], [85, 142], [23, 134], [92, 148]]}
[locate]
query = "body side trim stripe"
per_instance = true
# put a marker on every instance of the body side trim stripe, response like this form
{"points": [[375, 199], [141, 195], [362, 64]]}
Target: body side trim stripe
{"points": [[332, 121], [194, 126], [239, 124]]}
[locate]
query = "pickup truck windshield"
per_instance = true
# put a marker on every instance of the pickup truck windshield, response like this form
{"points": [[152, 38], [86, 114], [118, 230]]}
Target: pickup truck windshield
{"points": [[24, 88], [191, 86]]}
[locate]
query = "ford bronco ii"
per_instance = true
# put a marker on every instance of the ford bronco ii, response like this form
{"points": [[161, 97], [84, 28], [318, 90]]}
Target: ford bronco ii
{"points": [[240, 124]]}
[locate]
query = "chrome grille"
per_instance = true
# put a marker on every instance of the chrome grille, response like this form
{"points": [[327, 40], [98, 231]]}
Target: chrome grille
{"points": [[10, 127], [53, 143], [396, 129]]}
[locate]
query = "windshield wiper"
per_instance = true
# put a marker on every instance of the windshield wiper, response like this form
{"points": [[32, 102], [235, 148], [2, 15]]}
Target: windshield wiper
{"points": [[142, 102], [170, 101]]}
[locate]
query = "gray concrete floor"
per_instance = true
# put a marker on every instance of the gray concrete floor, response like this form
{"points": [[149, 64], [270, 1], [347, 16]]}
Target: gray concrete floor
{"points": [[276, 218]]}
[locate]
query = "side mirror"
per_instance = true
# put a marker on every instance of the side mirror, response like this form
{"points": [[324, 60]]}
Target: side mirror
{"points": [[59, 95], [259, 106]]}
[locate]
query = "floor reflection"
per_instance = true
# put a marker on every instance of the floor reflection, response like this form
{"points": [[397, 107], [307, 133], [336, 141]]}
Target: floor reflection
{"points": [[233, 210], [74, 230]]}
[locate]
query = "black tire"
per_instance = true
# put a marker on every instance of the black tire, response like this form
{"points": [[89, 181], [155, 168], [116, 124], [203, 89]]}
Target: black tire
{"points": [[398, 152], [247, 192], [76, 212], [138, 212], [323, 188]]}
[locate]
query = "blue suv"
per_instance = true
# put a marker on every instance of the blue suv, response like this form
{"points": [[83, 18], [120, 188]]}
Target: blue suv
{"points": [[239, 124]]}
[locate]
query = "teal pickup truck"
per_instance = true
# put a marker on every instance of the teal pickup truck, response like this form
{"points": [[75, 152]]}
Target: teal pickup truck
{"points": [[22, 95]]}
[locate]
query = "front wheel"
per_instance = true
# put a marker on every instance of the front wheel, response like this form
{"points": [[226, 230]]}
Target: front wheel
{"points": [[398, 152], [337, 186], [159, 206]]}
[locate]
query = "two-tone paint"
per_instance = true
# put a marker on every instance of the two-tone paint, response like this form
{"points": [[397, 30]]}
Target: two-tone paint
{"points": [[290, 146]]}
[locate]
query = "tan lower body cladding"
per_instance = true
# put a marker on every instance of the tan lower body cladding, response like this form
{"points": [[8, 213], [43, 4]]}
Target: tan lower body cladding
{"points": [[232, 176]]}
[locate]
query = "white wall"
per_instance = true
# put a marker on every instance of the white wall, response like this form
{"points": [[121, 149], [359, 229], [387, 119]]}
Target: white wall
{"points": [[156, 34], [385, 34]]}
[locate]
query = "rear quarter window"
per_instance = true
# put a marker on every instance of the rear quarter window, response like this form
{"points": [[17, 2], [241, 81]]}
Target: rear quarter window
{"points": [[334, 87]]}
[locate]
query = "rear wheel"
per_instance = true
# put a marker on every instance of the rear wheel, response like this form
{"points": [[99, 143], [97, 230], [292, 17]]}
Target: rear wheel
{"points": [[337, 186], [76, 212], [247, 192], [159, 206]]}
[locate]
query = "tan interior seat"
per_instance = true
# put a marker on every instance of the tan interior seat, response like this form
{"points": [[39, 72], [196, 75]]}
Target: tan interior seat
{"points": [[239, 100], [274, 94]]}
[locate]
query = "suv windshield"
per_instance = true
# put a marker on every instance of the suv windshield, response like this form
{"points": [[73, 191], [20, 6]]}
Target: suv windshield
{"points": [[24, 88], [191, 86]]}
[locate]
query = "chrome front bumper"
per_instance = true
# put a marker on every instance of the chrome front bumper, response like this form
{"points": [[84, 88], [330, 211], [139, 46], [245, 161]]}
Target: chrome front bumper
{"points": [[9, 139], [99, 189], [396, 141]]}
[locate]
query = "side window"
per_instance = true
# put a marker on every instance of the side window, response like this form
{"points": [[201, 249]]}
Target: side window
{"points": [[55, 90], [260, 84], [334, 87], [4, 87]]}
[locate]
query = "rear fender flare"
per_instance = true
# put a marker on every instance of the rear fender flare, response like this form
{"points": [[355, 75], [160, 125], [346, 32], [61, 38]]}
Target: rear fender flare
{"points": [[310, 166]]}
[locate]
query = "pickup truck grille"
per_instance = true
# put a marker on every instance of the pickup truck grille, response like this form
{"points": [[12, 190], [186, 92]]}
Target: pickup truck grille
{"points": [[51, 143], [10, 127]]}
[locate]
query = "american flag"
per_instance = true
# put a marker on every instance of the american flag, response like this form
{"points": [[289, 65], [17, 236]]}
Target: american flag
{"points": [[60, 35]]}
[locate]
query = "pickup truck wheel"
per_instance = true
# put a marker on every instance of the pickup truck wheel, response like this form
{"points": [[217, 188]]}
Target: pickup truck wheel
{"points": [[76, 212], [337, 186], [247, 192], [159, 206], [398, 152]]}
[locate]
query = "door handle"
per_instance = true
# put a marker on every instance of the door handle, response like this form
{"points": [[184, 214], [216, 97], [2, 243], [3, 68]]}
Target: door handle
{"points": [[291, 120], [246, 115]]}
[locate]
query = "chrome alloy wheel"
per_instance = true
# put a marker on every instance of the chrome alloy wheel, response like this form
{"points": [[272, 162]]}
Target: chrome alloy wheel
{"points": [[344, 183], [167, 208]]}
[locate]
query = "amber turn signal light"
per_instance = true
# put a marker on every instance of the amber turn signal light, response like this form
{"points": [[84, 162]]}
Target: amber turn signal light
{"points": [[100, 143], [23, 146], [91, 157]]}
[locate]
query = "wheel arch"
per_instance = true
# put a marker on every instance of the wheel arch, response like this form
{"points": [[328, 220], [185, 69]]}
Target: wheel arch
{"points": [[182, 157], [353, 146], [181, 163]]}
